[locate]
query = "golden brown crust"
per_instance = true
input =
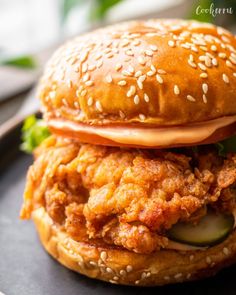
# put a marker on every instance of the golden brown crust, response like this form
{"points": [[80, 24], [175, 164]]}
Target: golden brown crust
{"points": [[155, 72], [123, 267]]}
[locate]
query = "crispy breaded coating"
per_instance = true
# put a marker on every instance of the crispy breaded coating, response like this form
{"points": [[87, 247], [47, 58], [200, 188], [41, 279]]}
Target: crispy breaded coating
{"points": [[126, 197]]}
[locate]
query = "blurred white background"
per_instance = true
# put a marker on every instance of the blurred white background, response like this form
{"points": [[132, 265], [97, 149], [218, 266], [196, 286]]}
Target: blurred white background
{"points": [[31, 25]]}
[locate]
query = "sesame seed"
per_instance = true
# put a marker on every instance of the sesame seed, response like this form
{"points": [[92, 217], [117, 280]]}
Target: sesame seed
{"points": [[83, 93], [136, 99], [213, 48], [118, 67], [226, 251], [77, 93], [191, 257], [201, 66], [136, 42], [115, 278], [192, 64], [109, 55], [214, 62], [137, 282], [159, 79], [131, 69], [98, 106], [142, 117], [99, 63], [52, 94], [171, 43], [191, 57], [93, 263], [84, 68], [84, 56], [64, 101], [193, 48], [140, 84], [131, 91], [146, 97], [129, 268], [129, 52], [204, 48], [81, 264], [185, 46], [73, 61], [190, 98], [209, 54], [98, 56], [76, 104], [225, 39], [148, 274], [143, 275], [160, 71], [103, 255], [142, 78], [223, 45], [122, 272], [109, 78], [86, 77], [122, 115], [150, 73], [148, 52], [141, 60], [113, 282], [122, 83], [232, 59], [229, 64], [89, 83], [233, 55], [153, 47], [188, 276], [176, 90], [138, 73], [91, 67], [69, 83], [202, 57], [204, 98], [125, 43], [225, 78], [107, 50], [178, 275], [234, 74], [208, 260], [222, 55], [90, 101], [208, 62], [205, 88], [153, 68], [126, 73], [203, 75], [167, 278]]}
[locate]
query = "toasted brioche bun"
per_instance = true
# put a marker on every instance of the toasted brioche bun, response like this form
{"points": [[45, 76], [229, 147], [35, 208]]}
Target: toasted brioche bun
{"points": [[146, 74], [120, 266]]}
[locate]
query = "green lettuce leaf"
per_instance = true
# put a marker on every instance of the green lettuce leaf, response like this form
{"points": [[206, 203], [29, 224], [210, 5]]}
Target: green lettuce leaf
{"points": [[34, 131], [226, 146]]}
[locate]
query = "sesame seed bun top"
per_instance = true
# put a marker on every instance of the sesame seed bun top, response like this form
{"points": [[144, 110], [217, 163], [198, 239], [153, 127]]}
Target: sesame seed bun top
{"points": [[153, 73]]}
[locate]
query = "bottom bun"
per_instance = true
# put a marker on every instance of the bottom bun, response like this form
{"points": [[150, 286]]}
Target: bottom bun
{"points": [[120, 266]]}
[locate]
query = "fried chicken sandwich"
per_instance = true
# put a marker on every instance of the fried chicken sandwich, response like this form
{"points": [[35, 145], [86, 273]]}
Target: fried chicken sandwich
{"points": [[136, 184]]}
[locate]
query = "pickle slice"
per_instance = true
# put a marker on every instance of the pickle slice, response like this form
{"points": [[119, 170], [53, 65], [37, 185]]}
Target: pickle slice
{"points": [[212, 229]]}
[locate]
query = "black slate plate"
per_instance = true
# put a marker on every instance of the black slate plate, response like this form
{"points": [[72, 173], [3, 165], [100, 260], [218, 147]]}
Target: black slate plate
{"points": [[25, 268]]}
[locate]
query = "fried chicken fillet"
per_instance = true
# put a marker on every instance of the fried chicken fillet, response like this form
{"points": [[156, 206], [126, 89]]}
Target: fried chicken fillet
{"points": [[126, 197]]}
